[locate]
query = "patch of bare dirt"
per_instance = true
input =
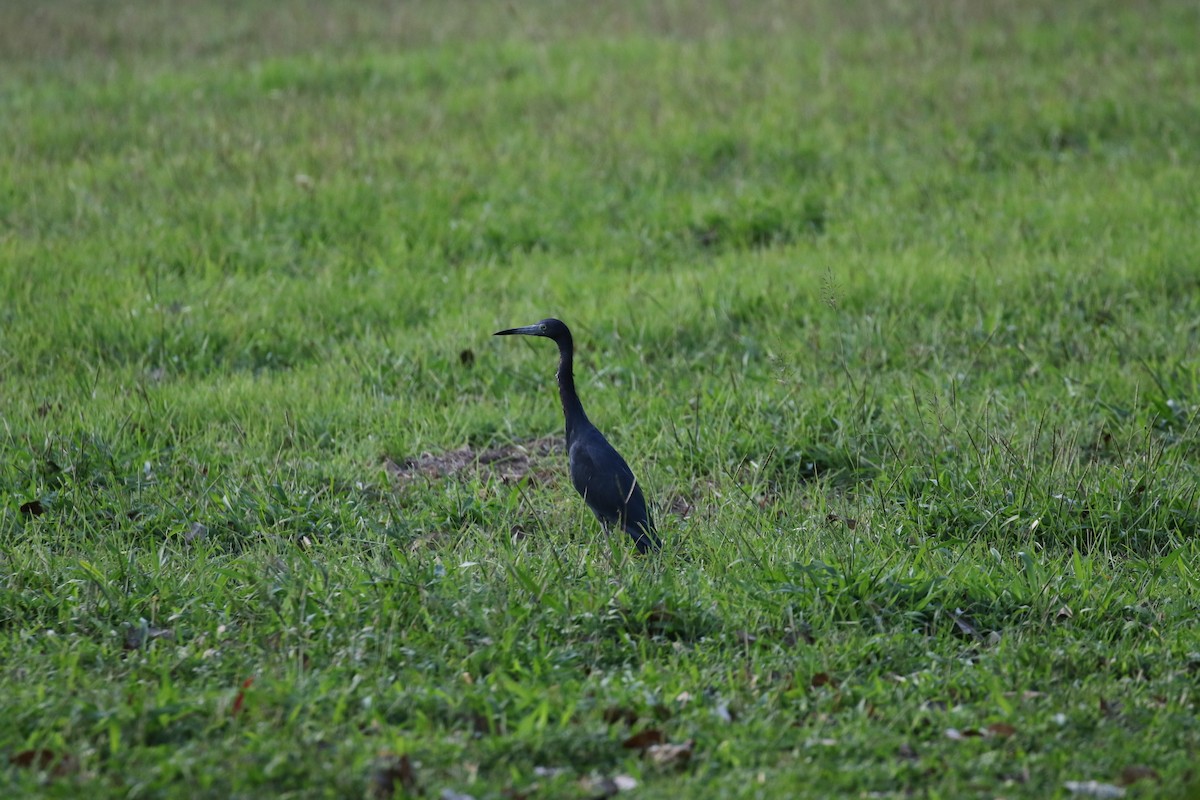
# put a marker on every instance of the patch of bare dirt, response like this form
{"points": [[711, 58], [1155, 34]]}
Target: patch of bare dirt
{"points": [[507, 463]]}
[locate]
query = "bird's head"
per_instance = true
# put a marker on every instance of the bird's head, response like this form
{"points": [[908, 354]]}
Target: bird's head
{"points": [[550, 328]]}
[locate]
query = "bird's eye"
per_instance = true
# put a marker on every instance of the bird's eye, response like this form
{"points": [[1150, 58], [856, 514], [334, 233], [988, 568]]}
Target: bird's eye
{"points": [[543, 328]]}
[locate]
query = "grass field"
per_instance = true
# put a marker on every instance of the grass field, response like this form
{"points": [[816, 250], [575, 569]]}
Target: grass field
{"points": [[893, 307]]}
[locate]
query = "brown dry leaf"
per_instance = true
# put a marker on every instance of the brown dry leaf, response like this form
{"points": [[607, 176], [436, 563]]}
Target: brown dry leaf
{"points": [[57, 764], [671, 755], [391, 772], [240, 699], [1136, 772], [824, 679], [1000, 730], [644, 739]]}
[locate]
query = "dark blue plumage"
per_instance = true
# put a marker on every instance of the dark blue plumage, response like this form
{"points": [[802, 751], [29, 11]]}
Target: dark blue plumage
{"points": [[599, 473]]}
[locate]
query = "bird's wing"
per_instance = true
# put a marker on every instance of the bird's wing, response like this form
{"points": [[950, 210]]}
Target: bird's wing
{"points": [[610, 488], [601, 475]]}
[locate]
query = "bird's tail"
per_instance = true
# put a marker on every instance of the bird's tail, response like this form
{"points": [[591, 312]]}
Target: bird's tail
{"points": [[644, 537]]}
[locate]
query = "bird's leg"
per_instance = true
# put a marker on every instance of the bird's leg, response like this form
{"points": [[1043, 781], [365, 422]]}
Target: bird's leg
{"points": [[607, 528]]}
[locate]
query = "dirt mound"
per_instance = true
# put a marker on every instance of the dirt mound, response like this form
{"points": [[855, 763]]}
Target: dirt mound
{"points": [[508, 463]]}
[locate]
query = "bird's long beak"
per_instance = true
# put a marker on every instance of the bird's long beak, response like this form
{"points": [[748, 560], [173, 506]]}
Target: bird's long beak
{"points": [[528, 330]]}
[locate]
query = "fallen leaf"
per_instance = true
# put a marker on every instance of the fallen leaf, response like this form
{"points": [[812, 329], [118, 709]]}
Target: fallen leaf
{"points": [[240, 700], [1136, 772], [391, 772], [625, 783], [671, 755], [1063, 613], [1104, 791], [57, 764], [33, 508], [1000, 729], [644, 739], [824, 679]]}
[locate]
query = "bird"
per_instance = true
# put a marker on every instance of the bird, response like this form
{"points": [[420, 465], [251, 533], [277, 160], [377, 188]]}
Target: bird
{"points": [[598, 472]]}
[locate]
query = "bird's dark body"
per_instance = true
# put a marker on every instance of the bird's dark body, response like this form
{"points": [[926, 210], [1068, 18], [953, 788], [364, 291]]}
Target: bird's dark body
{"points": [[607, 485], [599, 474]]}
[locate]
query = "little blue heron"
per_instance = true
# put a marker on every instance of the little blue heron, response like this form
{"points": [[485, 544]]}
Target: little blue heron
{"points": [[599, 473]]}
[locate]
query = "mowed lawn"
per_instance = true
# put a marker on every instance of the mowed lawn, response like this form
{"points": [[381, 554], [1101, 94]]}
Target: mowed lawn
{"points": [[894, 308]]}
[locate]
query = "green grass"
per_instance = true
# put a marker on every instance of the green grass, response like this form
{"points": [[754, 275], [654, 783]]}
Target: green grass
{"points": [[892, 307]]}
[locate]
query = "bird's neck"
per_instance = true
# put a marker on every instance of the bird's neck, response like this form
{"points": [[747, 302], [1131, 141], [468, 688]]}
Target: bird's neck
{"points": [[572, 408]]}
